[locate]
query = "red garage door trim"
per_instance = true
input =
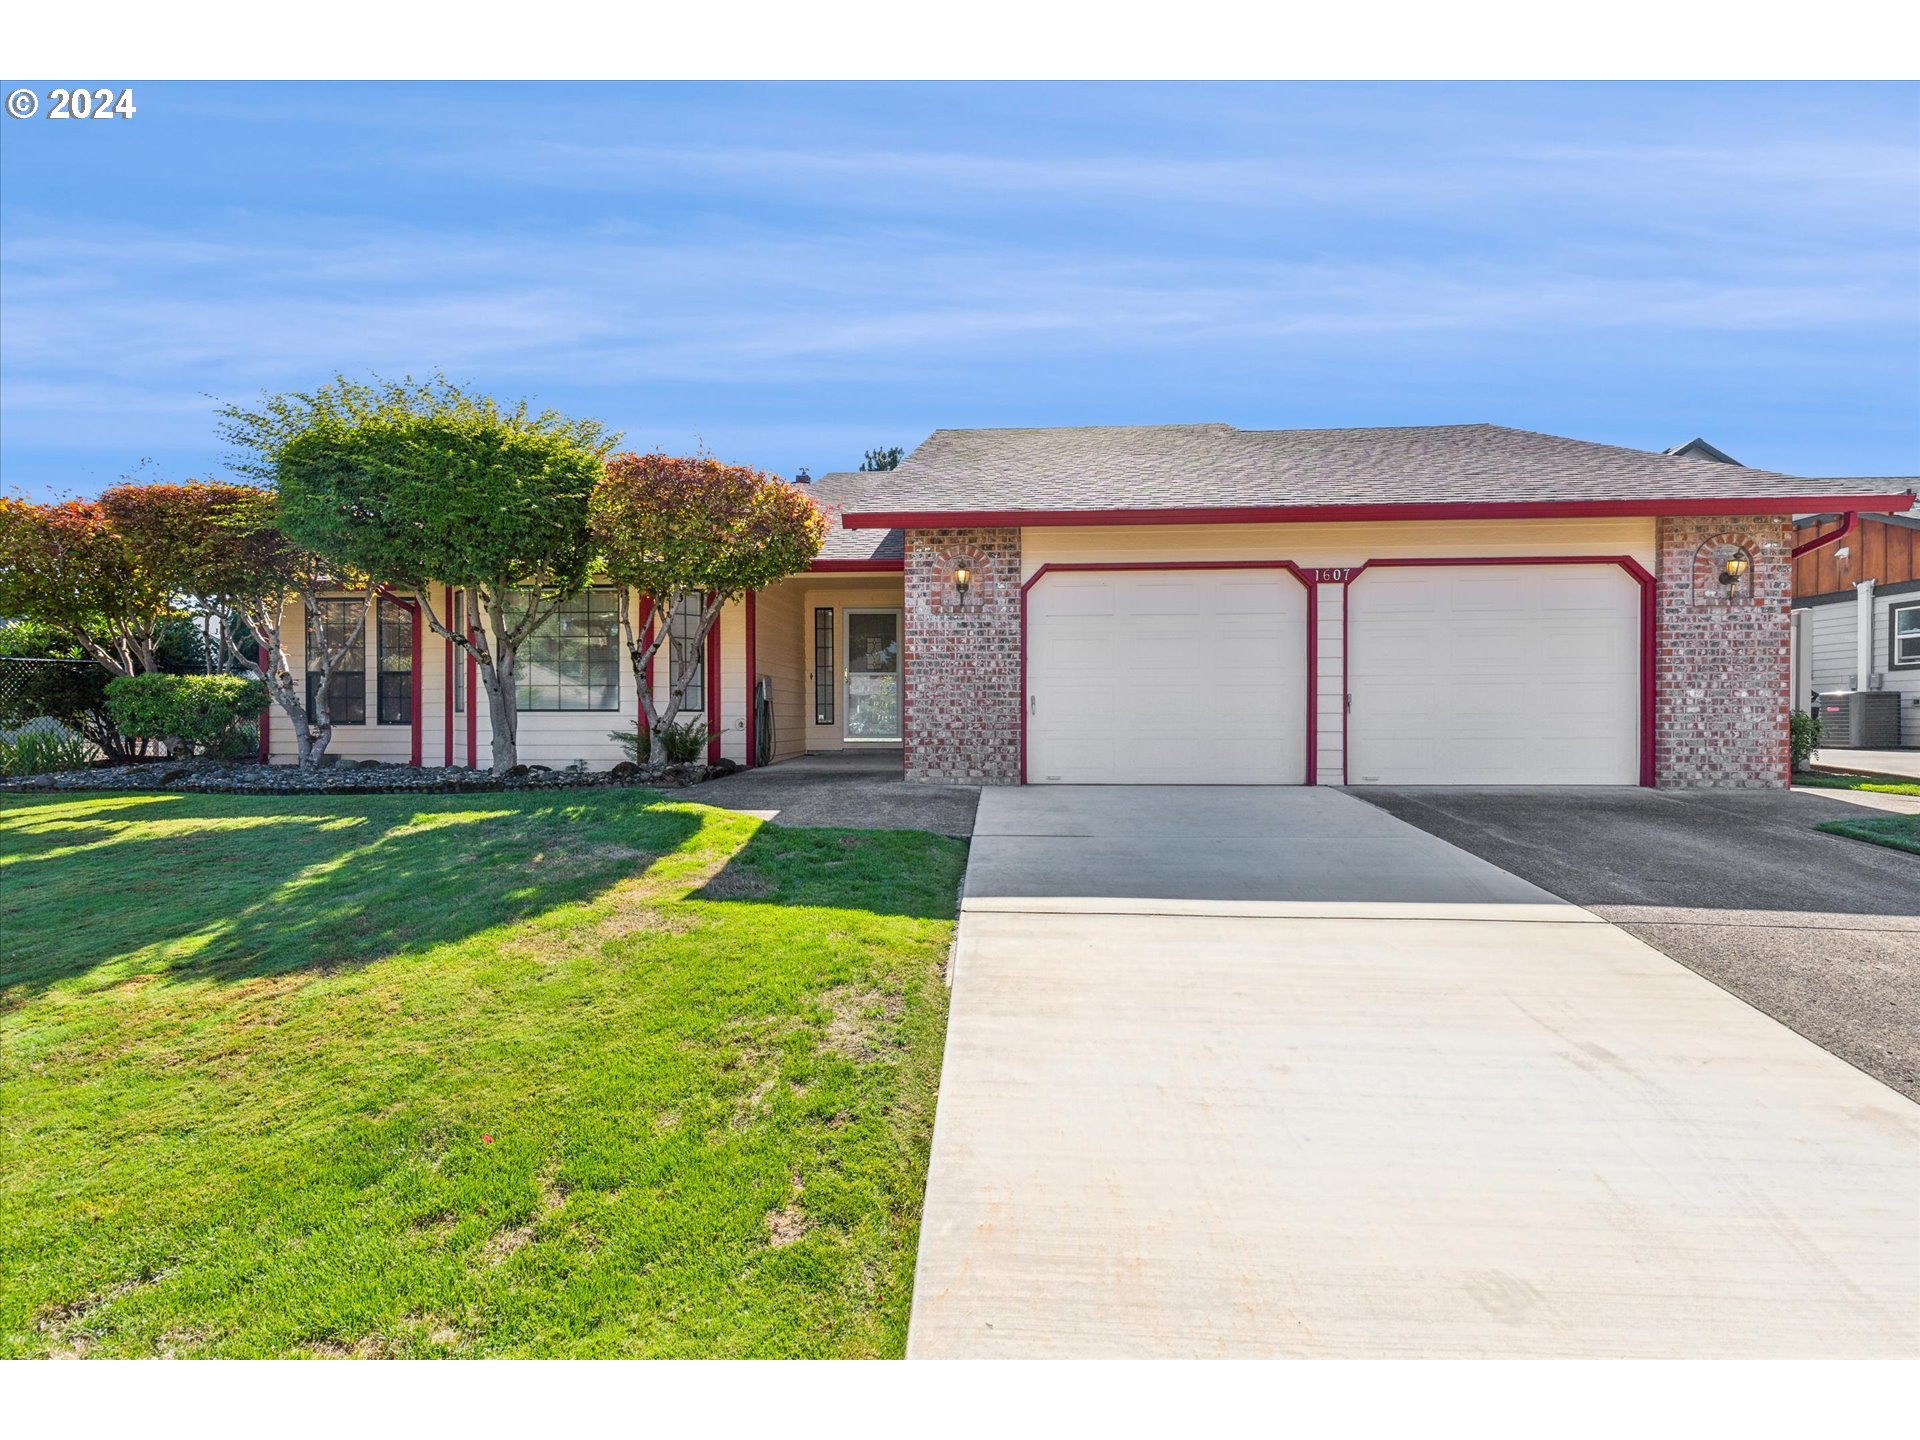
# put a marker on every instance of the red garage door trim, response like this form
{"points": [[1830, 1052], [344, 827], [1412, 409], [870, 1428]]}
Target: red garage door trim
{"points": [[1633, 567], [1298, 574]]}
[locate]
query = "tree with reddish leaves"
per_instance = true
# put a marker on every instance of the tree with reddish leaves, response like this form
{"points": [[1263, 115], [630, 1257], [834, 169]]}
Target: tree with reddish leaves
{"points": [[69, 567], [671, 527]]}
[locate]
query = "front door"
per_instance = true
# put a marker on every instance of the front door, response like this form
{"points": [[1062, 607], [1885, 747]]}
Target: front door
{"points": [[873, 675]]}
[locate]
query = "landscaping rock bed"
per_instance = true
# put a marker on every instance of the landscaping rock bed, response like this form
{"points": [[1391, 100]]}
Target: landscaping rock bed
{"points": [[252, 778]]}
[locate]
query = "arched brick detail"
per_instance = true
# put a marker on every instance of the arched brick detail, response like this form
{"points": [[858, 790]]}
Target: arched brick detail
{"points": [[962, 681], [1708, 557], [943, 560], [1721, 682]]}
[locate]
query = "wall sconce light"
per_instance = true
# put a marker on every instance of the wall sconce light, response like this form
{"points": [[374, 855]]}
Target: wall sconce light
{"points": [[962, 578], [1731, 569]]}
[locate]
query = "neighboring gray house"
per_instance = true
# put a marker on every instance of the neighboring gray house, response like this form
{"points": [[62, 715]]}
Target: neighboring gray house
{"points": [[1856, 611]]}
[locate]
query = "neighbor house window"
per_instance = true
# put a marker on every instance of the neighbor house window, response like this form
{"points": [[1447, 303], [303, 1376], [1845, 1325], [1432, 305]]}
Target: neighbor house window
{"points": [[458, 624], [823, 679], [1903, 621], [396, 664], [572, 661], [684, 647], [347, 694]]}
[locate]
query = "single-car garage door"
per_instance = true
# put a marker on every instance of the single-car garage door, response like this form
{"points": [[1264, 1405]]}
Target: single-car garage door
{"points": [[1493, 675], [1167, 677]]}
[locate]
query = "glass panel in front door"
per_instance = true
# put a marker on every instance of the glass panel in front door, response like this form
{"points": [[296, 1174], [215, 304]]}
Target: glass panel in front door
{"points": [[873, 675]]}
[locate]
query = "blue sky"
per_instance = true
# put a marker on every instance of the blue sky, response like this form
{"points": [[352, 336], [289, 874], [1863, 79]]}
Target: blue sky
{"points": [[788, 274]]}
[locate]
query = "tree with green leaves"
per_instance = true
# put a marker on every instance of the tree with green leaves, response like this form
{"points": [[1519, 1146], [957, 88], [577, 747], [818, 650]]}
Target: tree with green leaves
{"points": [[673, 528], [885, 458], [416, 483]]}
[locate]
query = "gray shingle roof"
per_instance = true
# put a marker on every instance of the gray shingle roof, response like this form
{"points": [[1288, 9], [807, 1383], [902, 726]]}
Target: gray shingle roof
{"points": [[837, 492], [1155, 467]]}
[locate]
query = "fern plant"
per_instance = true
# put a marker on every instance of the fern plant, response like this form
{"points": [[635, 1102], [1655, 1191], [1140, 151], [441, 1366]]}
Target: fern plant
{"points": [[682, 742]]}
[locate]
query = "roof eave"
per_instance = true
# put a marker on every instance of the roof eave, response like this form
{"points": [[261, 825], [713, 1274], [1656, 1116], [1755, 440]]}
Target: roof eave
{"points": [[1880, 503], [852, 567]]}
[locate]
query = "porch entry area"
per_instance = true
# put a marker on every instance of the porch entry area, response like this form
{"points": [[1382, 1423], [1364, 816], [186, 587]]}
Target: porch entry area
{"points": [[829, 649]]}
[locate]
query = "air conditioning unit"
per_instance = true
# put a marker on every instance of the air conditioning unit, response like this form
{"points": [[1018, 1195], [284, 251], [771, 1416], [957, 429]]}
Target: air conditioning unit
{"points": [[1859, 719]]}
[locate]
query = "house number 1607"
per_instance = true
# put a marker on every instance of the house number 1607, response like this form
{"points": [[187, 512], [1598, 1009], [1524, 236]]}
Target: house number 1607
{"points": [[1334, 577]]}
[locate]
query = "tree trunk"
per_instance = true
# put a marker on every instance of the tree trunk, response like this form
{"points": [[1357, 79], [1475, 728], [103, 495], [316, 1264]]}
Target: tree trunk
{"points": [[640, 653], [679, 678], [503, 713], [266, 618]]}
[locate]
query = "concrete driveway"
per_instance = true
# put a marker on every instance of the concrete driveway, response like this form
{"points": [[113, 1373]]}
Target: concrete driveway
{"points": [[1879, 762], [1270, 1072]]}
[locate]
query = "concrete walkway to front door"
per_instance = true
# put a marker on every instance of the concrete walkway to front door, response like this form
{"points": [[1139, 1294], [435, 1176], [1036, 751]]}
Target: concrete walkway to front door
{"points": [[1269, 1072]]}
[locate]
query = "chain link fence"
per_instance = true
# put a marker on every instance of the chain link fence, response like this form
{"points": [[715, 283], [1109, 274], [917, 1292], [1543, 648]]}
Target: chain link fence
{"points": [[31, 695], [44, 716]]}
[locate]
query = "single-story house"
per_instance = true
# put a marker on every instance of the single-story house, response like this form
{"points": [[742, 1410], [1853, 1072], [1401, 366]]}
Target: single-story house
{"points": [[1454, 604], [1856, 613]]}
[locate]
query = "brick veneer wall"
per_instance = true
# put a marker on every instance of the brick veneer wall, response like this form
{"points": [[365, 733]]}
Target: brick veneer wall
{"points": [[1722, 688], [963, 697]]}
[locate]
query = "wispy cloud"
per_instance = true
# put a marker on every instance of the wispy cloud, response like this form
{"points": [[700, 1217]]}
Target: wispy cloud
{"points": [[570, 310], [771, 283]]}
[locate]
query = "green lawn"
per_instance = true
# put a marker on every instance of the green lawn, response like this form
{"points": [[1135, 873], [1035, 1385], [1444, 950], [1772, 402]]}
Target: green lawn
{"points": [[555, 1074], [1822, 780], [1897, 832]]}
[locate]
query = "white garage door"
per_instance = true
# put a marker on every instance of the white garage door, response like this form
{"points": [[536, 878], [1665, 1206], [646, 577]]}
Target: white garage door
{"points": [[1494, 675], [1167, 677]]}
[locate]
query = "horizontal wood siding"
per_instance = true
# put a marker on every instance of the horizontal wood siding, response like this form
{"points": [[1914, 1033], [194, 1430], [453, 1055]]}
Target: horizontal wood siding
{"points": [[780, 644], [1829, 636]]}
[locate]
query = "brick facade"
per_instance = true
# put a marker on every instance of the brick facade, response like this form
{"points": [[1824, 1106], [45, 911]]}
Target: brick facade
{"points": [[1721, 693], [962, 702]]}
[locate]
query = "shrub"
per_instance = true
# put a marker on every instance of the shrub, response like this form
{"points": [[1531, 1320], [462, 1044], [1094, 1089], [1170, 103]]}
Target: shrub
{"points": [[185, 710], [39, 752], [682, 742], [1803, 737], [74, 694]]}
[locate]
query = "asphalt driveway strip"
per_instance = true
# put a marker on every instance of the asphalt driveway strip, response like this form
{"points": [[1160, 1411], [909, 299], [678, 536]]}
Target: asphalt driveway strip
{"points": [[1820, 932]]}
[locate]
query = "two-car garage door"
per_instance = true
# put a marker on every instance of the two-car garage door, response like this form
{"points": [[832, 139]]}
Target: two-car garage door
{"points": [[1493, 675], [1469, 674]]}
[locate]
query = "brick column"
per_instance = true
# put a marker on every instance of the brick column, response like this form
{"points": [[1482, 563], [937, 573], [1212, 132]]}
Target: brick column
{"points": [[1722, 682], [962, 698]]}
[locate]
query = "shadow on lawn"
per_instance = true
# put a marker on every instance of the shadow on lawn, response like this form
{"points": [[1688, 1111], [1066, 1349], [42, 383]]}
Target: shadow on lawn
{"points": [[881, 872], [233, 888]]}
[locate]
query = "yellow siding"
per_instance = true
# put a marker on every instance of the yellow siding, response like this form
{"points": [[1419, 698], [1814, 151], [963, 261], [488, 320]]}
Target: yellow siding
{"points": [[1319, 546], [781, 641]]}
